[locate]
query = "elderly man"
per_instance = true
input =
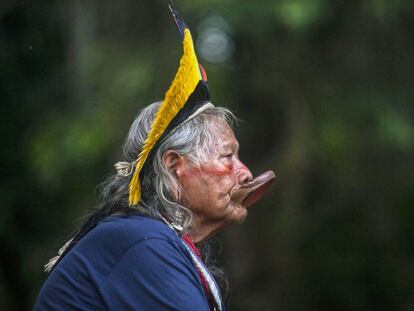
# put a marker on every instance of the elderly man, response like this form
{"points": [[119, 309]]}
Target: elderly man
{"points": [[181, 181]]}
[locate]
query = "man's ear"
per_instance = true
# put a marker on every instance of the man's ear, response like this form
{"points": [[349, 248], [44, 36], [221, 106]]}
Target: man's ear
{"points": [[172, 161]]}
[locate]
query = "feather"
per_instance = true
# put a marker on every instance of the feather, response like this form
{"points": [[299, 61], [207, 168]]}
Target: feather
{"points": [[179, 21], [184, 83]]}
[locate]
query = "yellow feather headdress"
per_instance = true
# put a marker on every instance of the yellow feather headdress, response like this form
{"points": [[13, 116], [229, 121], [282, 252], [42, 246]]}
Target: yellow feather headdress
{"points": [[186, 94]]}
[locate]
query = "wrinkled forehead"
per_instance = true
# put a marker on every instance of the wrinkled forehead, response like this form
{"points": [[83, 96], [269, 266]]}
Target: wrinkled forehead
{"points": [[222, 136]]}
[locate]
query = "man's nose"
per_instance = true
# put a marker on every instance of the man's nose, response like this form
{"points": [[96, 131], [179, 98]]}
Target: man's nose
{"points": [[243, 173]]}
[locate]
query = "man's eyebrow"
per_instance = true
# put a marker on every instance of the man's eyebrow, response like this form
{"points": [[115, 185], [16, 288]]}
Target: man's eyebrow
{"points": [[235, 146]]}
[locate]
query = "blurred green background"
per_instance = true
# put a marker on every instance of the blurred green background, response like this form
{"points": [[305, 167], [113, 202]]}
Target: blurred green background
{"points": [[325, 92]]}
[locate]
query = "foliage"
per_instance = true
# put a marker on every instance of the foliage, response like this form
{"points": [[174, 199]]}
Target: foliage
{"points": [[324, 89]]}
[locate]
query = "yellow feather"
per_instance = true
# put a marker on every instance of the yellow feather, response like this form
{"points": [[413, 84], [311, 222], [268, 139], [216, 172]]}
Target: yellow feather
{"points": [[185, 81]]}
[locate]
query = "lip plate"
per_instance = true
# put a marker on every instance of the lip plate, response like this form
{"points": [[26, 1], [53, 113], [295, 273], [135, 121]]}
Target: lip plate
{"points": [[259, 190], [250, 192]]}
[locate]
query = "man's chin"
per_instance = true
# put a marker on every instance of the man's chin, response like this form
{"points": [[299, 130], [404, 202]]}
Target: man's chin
{"points": [[237, 215]]}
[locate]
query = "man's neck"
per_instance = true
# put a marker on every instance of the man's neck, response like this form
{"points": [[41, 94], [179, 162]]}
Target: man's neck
{"points": [[201, 232]]}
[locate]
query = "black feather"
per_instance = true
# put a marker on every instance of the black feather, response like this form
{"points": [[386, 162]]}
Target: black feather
{"points": [[177, 18]]}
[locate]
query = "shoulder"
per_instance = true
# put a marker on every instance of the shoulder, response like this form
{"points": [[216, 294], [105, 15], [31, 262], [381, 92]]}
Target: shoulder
{"points": [[149, 268], [154, 273], [125, 261], [116, 235], [131, 229], [101, 249]]}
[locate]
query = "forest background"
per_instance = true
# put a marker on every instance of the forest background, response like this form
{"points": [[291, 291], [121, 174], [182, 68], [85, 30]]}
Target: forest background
{"points": [[325, 93]]}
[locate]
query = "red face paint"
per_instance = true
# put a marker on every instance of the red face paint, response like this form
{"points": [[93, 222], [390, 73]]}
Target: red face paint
{"points": [[195, 171]]}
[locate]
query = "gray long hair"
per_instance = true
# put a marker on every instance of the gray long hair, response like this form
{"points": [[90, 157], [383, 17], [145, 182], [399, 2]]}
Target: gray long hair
{"points": [[194, 139]]}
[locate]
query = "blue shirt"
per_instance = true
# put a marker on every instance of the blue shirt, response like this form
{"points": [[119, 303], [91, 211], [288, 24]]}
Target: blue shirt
{"points": [[125, 263]]}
